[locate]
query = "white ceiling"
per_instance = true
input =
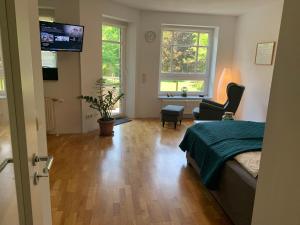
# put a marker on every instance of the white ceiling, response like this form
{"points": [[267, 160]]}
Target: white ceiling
{"points": [[221, 7]]}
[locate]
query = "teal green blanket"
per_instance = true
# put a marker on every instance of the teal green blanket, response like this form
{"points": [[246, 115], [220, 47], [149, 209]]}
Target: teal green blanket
{"points": [[211, 144]]}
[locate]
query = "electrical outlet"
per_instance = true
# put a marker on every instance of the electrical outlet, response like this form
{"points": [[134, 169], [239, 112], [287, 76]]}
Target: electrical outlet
{"points": [[88, 116]]}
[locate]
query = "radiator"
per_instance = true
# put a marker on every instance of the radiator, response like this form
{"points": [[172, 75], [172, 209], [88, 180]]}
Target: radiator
{"points": [[189, 104], [50, 105]]}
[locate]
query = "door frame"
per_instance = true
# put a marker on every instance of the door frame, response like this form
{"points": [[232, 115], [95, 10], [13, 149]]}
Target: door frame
{"points": [[10, 27], [10, 95]]}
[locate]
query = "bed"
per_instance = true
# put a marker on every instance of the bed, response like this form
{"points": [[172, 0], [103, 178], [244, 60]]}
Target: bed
{"points": [[232, 181]]}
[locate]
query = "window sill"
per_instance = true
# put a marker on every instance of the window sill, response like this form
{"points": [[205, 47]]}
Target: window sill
{"points": [[183, 98]]}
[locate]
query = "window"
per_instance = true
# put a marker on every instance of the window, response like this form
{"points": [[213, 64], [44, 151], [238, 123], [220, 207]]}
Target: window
{"points": [[111, 53], [185, 60], [2, 77], [49, 59], [112, 60], [2, 87], [47, 18]]}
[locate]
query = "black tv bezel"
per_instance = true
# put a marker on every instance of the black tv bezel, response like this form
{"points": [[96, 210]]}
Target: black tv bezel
{"points": [[64, 50]]}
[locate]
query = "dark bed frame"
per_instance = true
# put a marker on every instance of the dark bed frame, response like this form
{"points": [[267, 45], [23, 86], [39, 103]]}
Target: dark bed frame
{"points": [[236, 191]]}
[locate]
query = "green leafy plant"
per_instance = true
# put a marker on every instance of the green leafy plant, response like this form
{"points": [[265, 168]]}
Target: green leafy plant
{"points": [[104, 101]]}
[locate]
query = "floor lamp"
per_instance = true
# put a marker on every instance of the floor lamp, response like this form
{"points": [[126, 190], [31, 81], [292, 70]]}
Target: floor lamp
{"points": [[226, 77]]}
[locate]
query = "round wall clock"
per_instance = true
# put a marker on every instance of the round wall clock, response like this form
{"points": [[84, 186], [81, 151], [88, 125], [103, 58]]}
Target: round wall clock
{"points": [[150, 36]]}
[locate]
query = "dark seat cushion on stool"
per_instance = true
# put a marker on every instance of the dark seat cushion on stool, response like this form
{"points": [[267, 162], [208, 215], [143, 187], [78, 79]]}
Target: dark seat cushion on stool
{"points": [[172, 110]]}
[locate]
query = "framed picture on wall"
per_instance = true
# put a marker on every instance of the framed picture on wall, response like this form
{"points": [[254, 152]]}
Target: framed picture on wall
{"points": [[265, 53]]}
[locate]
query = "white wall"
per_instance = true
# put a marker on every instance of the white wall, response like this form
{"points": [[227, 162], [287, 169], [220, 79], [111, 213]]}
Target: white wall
{"points": [[259, 25], [91, 16], [90, 58], [79, 71], [68, 86], [141, 58], [148, 104], [278, 195], [235, 47]]}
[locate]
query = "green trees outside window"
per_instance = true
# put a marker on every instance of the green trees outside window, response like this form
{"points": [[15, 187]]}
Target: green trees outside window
{"points": [[111, 54], [184, 54], [111, 59]]}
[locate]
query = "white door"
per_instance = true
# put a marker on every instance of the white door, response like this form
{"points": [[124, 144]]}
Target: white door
{"points": [[21, 195]]}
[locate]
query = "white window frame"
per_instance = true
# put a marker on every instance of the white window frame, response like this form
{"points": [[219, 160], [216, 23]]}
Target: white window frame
{"points": [[188, 75]]}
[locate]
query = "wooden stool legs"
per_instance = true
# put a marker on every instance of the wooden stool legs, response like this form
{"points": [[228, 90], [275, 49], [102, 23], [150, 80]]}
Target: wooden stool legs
{"points": [[175, 123]]}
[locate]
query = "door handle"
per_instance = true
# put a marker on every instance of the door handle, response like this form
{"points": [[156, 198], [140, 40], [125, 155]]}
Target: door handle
{"points": [[47, 159], [36, 178], [5, 163]]}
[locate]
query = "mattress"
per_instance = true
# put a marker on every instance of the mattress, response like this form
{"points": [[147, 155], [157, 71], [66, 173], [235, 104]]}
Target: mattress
{"points": [[250, 161]]}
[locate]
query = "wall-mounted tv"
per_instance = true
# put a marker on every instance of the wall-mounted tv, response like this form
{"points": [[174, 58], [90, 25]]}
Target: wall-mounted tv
{"points": [[61, 37], [50, 73]]}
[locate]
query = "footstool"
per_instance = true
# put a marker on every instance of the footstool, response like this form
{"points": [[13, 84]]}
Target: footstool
{"points": [[172, 113]]}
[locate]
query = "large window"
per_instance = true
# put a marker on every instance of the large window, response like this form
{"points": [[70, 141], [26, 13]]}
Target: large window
{"points": [[185, 60]]}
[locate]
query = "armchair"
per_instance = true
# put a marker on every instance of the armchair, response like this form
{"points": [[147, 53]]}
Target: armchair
{"points": [[210, 110]]}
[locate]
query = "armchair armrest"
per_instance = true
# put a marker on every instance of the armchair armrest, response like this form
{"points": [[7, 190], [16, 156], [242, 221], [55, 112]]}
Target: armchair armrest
{"points": [[210, 112], [207, 106], [212, 103]]}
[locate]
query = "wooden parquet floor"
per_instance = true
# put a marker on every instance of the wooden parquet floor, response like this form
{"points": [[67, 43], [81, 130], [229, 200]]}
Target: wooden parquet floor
{"points": [[138, 177]]}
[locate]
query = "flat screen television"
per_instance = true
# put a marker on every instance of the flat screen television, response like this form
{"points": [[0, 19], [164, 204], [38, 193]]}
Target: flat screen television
{"points": [[50, 73], [61, 37]]}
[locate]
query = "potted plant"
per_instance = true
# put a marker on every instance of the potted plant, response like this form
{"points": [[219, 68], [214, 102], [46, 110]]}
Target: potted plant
{"points": [[104, 102]]}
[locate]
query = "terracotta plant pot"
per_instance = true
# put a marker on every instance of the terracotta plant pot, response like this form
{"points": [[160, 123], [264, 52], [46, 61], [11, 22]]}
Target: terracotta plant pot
{"points": [[106, 127]]}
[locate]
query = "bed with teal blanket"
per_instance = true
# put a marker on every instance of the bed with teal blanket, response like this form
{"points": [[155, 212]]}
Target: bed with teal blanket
{"points": [[211, 144], [210, 149]]}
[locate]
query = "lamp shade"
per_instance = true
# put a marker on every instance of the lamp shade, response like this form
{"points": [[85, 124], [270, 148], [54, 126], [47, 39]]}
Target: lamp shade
{"points": [[226, 77]]}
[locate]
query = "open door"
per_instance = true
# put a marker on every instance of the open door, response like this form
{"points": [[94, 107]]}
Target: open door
{"points": [[23, 168]]}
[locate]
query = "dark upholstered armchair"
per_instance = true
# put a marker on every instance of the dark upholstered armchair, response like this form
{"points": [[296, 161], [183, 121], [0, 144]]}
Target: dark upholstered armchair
{"points": [[209, 110]]}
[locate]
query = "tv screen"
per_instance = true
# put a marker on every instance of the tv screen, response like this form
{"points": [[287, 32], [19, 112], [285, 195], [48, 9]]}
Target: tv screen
{"points": [[50, 73], [61, 37]]}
